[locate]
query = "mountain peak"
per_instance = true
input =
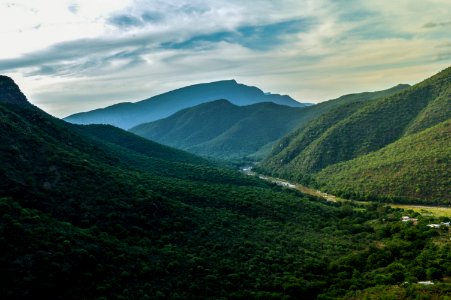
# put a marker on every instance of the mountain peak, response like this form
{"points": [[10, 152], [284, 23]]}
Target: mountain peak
{"points": [[10, 92]]}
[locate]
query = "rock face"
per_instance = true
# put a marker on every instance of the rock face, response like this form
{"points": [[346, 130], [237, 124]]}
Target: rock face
{"points": [[10, 93]]}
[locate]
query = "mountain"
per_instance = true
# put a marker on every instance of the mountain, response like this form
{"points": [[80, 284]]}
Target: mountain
{"points": [[94, 212], [221, 129], [315, 111], [360, 128], [127, 115], [10, 92], [416, 166]]}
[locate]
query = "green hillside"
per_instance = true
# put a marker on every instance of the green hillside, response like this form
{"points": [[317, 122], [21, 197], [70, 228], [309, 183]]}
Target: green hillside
{"points": [[93, 212], [221, 129], [315, 111], [118, 137], [290, 150], [357, 129], [126, 115], [414, 167]]}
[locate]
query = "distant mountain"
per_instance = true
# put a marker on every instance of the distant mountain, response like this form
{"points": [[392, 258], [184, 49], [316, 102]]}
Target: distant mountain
{"points": [[356, 129], [127, 115], [221, 129]]}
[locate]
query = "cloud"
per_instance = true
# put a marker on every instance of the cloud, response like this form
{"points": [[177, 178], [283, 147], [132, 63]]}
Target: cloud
{"points": [[261, 37], [152, 17], [125, 21], [73, 8], [433, 24], [98, 55]]}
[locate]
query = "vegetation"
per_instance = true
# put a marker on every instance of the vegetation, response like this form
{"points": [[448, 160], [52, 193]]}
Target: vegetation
{"points": [[320, 151], [316, 111], [426, 210], [404, 291], [415, 167], [127, 115], [222, 130]]}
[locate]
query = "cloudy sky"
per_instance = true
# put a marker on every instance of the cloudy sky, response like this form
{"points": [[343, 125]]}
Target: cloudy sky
{"points": [[70, 56]]}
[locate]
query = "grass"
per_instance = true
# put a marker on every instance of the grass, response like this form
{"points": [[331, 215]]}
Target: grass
{"points": [[426, 210]]}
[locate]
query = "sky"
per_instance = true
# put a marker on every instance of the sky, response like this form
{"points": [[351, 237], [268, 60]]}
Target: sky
{"points": [[70, 56]]}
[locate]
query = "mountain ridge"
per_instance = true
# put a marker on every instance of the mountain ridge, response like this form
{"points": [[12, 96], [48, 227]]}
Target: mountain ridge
{"points": [[11, 93], [222, 129], [129, 114], [220, 142]]}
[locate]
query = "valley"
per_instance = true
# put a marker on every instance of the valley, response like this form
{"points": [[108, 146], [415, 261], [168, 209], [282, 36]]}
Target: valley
{"points": [[97, 212]]}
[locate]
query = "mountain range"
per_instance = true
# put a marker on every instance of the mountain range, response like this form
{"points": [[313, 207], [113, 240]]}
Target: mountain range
{"points": [[223, 130], [354, 130], [127, 115], [96, 212]]}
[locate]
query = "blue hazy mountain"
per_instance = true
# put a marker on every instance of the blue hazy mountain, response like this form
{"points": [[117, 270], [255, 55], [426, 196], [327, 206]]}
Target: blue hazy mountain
{"points": [[127, 115]]}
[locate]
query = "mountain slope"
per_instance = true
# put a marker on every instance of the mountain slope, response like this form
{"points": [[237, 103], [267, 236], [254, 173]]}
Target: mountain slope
{"points": [[361, 128], [414, 167], [370, 127], [315, 111], [127, 115], [118, 137], [221, 129]]}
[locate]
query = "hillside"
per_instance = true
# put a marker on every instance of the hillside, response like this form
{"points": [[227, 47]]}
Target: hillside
{"points": [[315, 111], [127, 115], [357, 129], [221, 129], [121, 138], [414, 167]]}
